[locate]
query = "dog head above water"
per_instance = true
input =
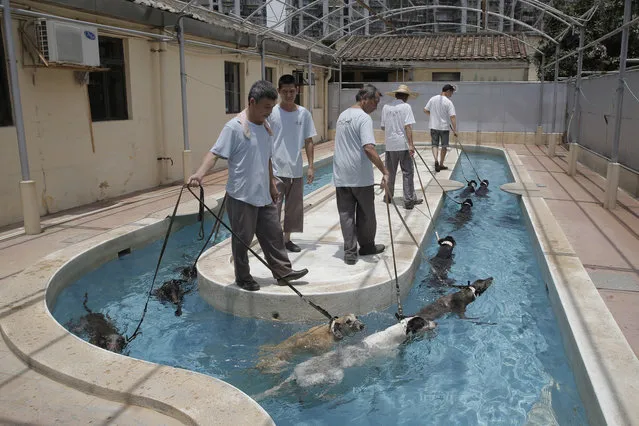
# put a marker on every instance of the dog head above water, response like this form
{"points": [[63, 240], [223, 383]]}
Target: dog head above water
{"points": [[447, 241], [480, 286], [484, 183], [466, 205], [472, 185], [416, 326], [112, 342], [345, 326]]}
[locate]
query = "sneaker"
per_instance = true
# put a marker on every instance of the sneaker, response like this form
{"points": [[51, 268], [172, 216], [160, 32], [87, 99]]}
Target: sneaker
{"points": [[372, 249], [437, 166], [248, 285], [442, 167], [418, 201], [409, 206], [350, 260], [291, 246]]}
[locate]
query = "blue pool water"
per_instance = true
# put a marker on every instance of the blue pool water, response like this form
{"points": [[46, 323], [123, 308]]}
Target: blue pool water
{"points": [[466, 373]]}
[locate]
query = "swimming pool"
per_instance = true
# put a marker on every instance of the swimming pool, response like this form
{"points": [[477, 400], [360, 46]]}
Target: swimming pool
{"points": [[466, 374]]}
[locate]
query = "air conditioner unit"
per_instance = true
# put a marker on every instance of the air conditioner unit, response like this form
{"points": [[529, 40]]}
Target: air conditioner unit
{"points": [[61, 42]]}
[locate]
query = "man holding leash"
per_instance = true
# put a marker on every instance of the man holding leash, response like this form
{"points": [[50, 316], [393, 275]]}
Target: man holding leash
{"points": [[441, 113], [246, 142], [397, 123], [293, 129], [353, 175]]}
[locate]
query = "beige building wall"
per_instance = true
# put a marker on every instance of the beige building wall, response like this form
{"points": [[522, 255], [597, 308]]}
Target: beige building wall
{"points": [[62, 161], [469, 73]]}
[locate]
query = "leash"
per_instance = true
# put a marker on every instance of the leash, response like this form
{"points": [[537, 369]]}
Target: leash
{"points": [[200, 215], [435, 179], [318, 308], [157, 267], [419, 249], [421, 184], [190, 270], [468, 158], [400, 311]]}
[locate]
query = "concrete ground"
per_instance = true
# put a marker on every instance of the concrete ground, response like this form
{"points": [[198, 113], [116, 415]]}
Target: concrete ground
{"points": [[607, 243]]}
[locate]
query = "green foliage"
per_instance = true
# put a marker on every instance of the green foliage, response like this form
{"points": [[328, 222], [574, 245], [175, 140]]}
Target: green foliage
{"points": [[603, 56]]}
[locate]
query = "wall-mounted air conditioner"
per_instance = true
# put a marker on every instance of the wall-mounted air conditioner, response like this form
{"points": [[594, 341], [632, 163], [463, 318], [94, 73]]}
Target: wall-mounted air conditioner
{"points": [[60, 42]]}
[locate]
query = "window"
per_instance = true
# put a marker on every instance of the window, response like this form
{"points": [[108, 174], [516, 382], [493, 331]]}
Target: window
{"points": [[107, 89], [6, 118], [269, 73], [375, 76], [232, 87], [446, 76]]}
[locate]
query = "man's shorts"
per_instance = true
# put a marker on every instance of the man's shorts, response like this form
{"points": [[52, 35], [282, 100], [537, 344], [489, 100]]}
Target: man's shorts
{"points": [[438, 136]]}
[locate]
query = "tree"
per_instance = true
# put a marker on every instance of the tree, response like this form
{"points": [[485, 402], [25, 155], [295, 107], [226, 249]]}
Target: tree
{"points": [[603, 56]]}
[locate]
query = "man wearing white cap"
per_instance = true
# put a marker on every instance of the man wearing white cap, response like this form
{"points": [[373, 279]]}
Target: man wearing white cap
{"points": [[397, 123], [441, 113]]}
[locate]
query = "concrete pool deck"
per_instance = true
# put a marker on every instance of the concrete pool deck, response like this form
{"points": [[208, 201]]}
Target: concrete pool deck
{"points": [[604, 242]]}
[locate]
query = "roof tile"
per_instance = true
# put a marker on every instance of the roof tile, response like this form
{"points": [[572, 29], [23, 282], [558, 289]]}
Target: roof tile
{"points": [[435, 47]]}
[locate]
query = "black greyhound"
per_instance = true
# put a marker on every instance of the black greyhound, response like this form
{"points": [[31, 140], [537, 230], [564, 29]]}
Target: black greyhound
{"points": [[482, 191], [455, 302], [99, 329]]}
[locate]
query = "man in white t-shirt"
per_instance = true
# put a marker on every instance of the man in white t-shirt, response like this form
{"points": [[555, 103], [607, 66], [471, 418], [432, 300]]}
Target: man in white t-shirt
{"points": [[353, 175], [293, 129], [397, 123], [441, 112], [246, 142]]}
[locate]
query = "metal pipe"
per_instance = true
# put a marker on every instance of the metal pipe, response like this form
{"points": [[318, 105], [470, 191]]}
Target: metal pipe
{"points": [[262, 53], [310, 84], [621, 88], [31, 13], [339, 91], [555, 88], [580, 60], [600, 39], [179, 28], [395, 12], [15, 91], [541, 95]]}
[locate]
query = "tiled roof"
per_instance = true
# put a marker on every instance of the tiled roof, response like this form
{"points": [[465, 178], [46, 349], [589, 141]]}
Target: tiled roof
{"points": [[435, 47]]}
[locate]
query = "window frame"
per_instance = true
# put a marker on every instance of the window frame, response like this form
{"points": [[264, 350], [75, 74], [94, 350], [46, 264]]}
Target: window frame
{"points": [[270, 70], [109, 110], [233, 88], [446, 76], [5, 92]]}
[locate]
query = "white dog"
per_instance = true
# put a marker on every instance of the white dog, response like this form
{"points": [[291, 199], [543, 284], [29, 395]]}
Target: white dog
{"points": [[329, 368]]}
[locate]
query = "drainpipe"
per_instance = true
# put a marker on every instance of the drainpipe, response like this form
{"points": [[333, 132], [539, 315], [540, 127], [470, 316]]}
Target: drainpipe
{"points": [[580, 62], [186, 154], [574, 146], [310, 84], [540, 118], [552, 142], [325, 115], [28, 195], [339, 89], [262, 53], [165, 122], [612, 176]]}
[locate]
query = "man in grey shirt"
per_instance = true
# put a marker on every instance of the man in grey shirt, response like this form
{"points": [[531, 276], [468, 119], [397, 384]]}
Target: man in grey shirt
{"points": [[353, 175], [246, 142]]}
